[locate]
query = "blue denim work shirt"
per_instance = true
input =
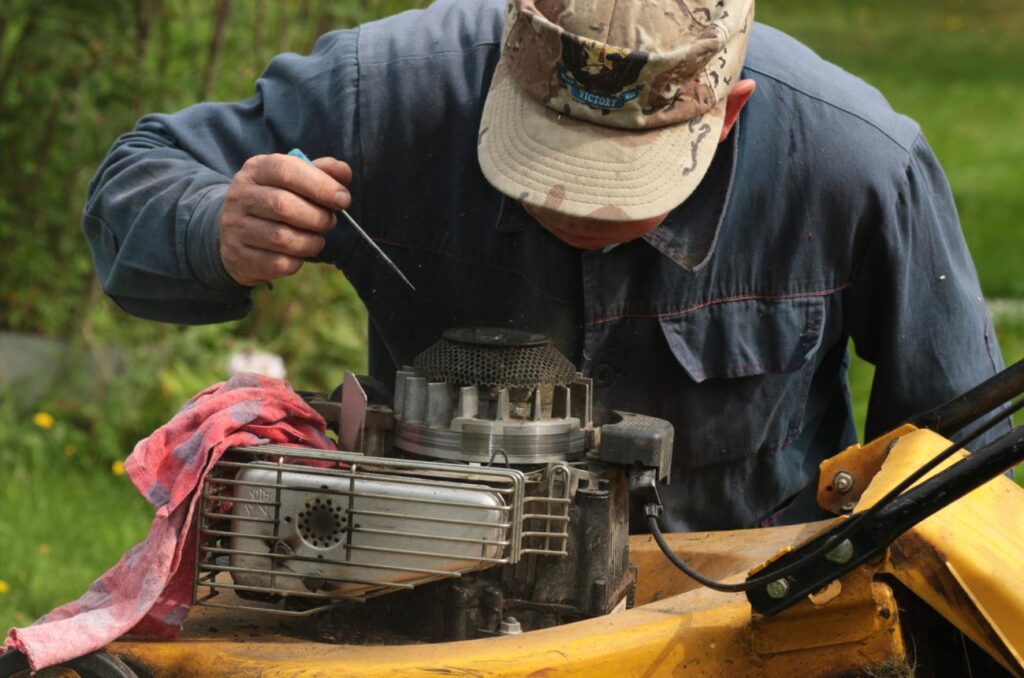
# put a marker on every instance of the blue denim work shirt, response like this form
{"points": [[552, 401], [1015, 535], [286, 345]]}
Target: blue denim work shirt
{"points": [[824, 216]]}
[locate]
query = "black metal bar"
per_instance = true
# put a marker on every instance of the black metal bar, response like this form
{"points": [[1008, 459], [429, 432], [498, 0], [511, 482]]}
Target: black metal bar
{"points": [[871, 537], [950, 417], [944, 488]]}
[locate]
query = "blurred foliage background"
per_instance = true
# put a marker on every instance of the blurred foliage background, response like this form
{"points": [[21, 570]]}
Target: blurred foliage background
{"points": [[81, 382]]}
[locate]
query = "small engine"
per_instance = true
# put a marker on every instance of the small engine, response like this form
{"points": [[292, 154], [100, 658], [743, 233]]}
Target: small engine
{"points": [[480, 499]]}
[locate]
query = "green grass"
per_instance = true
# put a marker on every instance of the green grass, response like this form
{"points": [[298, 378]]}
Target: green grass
{"points": [[1009, 331], [952, 65], [62, 523]]}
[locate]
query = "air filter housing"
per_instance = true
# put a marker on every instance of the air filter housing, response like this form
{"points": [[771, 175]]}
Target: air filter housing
{"points": [[493, 395], [494, 359]]}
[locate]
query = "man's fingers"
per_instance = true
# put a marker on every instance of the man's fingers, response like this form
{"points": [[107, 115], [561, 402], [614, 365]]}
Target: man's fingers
{"points": [[336, 168], [278, 204], [278, 238], [275, 213], [261, 266], [251, 266], [300, 177]]}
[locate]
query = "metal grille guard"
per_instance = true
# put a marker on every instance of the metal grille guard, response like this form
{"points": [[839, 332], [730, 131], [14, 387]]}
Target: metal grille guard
{"points": [[354, 527]]}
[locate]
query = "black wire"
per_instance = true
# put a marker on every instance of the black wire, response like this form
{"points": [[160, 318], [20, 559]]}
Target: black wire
{"points": [[844, 530], [652, 521]]}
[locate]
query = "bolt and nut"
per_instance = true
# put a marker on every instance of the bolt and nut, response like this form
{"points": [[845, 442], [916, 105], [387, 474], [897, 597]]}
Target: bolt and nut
{"points": [[777, 589], [510, 626], [841, 553], [843, 482]]}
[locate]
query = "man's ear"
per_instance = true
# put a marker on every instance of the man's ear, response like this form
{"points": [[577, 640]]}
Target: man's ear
{"points": [[734, 103]]}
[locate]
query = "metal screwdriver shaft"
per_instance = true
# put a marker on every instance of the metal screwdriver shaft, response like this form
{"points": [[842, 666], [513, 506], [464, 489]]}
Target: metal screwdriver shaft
{"points": [[302, 156], [379, 251]]}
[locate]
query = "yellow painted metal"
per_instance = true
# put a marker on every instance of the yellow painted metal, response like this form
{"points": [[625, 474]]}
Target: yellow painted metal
{"points": [[861, 463], [967, 560], [715, 554], [673, 631]]}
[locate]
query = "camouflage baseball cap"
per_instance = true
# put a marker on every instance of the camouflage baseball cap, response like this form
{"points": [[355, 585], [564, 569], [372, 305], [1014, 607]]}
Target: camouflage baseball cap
{"points": [[610, 109]]}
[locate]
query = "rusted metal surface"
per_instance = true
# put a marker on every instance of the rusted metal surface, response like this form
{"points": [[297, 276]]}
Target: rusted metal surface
{"points": [[699, 633], [924, 570], [672, 631], [967, 560], [852, 612], [715, 554]]}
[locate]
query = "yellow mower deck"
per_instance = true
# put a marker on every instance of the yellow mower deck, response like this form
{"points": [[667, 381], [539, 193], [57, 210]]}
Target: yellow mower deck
{"points": [[966, 562]]}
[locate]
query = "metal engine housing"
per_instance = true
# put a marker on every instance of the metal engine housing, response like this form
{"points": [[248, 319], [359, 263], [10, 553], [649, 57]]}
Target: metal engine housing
{"points": [[476, 496]]}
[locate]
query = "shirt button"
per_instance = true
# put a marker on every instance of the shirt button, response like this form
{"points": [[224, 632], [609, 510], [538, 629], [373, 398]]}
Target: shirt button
{"points": [[604, 374]]}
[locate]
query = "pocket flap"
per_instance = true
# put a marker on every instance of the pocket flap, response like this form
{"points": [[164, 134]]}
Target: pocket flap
{"points": [[745, 337]]}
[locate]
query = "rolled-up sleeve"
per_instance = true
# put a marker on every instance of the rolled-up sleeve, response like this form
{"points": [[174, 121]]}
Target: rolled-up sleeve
{"points": [[916, 309], [152, 215]]}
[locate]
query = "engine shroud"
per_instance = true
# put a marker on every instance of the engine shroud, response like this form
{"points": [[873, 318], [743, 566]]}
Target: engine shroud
{"points": [[482, 493], [486, 395], [494, 358]]}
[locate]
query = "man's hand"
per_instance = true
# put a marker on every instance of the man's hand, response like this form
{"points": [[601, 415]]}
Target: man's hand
{"points": [[275, 214]]}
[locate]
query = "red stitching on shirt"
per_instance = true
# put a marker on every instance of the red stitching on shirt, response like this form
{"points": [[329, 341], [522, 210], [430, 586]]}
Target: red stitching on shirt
{"points": [[712, 302], [503, 269]]}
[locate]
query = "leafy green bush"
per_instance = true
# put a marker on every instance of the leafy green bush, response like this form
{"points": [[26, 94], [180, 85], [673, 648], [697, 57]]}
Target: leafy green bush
{"points": [[73, 76], [122, 377]]}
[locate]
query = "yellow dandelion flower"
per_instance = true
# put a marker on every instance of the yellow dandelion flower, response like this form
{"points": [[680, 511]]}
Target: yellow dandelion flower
{"points": [[69, 450], [43, 420], [166, 389], [4, 588], [117, 468], [44, 549]]}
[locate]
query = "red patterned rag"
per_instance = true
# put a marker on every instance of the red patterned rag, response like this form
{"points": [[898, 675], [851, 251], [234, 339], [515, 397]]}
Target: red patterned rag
{"points": [[149, 591]]}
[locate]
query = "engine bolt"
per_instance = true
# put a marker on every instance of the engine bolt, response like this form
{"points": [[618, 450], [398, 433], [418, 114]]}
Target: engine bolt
{"points": [[777, 589], [510, 627], [843, 482]]}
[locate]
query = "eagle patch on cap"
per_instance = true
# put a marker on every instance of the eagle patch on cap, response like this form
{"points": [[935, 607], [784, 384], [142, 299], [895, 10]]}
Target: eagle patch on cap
{"points": [[600, 75]]}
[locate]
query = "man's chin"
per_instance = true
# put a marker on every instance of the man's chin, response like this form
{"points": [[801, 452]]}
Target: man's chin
{"points": [[582, 242], [589, 233]]}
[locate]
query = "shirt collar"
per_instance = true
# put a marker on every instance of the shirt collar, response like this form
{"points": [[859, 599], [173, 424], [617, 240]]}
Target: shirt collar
{"points": [[512, 218], [689, 233]]}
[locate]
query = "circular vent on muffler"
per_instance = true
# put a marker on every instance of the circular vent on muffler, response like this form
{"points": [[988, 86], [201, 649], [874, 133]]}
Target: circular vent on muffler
{"points": [[321, 523], [494, 358]]}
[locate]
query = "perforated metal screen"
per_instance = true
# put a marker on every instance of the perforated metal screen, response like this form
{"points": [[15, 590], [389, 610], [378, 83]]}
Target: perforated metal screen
{"points": [[466, 364]]}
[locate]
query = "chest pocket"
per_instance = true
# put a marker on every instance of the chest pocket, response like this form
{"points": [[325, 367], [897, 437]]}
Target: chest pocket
{"points": [[741, 376]]}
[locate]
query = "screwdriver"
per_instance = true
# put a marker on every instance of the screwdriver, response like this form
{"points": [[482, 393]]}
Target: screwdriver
{"points": [[295, 152]]}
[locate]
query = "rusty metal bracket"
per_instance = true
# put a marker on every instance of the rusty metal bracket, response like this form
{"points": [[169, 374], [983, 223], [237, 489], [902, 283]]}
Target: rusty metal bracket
{"points": [[843, 478], [847, 545]]}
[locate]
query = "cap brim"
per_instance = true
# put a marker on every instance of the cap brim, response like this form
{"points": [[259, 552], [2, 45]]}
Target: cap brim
{"points": [[531, 153]]}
